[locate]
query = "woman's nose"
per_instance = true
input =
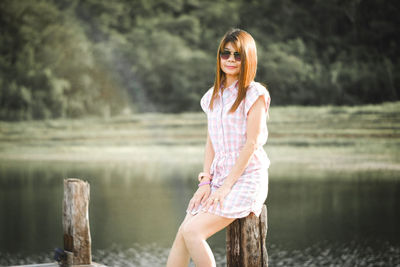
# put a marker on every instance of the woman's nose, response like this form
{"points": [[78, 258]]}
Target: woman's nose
{"points": [[231, 57]]}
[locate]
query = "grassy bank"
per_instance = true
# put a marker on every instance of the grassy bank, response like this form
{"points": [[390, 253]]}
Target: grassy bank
{"points": [[338, 138]]}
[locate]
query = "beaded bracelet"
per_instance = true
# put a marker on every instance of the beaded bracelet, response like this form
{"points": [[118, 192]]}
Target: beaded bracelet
{"points": [[204, 183]]}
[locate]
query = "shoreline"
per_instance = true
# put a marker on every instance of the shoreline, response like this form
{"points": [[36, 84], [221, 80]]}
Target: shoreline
{"points": [[315, 138]]}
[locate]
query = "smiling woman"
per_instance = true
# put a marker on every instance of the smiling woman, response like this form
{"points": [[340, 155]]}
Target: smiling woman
{"points": [[230, 65], [234, 180], [242, 66]]}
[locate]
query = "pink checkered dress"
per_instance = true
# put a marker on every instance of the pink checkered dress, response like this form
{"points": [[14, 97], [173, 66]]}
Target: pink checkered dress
{"points": [[228, 135]]}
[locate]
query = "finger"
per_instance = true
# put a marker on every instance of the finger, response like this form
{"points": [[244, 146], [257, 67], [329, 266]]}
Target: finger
{"points": [[199, 200], [209, 203], [190, 205], [221, 204], [202, 198], [220, 200], [215, 205], [196, 203], [212, 206], [205, 198], [206, 204], [193, 203]]}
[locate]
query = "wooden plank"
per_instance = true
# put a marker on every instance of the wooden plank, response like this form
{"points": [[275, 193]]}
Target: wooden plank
{"points": [[246, 241], [76, 221]]}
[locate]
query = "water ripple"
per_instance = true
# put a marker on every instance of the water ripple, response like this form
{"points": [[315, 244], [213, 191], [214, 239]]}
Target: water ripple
{"points": [[321, 254]]}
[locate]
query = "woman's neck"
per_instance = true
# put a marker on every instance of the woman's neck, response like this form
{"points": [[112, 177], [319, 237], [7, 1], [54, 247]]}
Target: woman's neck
{"points": [[229, 80]]}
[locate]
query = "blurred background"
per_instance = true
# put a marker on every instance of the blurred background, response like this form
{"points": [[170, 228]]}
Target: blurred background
{"points": [[70, 58], [109, 91]]}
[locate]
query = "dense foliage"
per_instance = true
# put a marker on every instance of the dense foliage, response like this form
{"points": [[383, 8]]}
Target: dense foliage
{"points": [[69, 58]]}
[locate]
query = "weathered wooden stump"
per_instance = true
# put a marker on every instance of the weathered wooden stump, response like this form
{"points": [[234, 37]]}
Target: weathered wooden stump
{"points": [[246, 241], [77, 238], [77, 241]]}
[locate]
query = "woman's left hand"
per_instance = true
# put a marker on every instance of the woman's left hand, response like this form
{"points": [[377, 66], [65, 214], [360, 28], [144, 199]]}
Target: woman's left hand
{"points": [[217, 197]]}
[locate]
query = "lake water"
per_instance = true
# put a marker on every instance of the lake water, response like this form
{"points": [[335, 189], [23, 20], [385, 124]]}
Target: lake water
{"points": [[324, 219]]}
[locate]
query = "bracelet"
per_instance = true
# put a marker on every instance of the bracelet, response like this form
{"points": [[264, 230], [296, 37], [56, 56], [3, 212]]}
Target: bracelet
{"points": [[204, 174], [204, 183]]}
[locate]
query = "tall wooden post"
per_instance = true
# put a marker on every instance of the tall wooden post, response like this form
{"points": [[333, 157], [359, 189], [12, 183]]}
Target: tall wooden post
{"points": [[76, 221], [246, 241]]}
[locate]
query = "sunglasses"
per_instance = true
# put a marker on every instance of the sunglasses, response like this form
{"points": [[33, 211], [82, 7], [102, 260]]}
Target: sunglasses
{"points": [[226, 54]]}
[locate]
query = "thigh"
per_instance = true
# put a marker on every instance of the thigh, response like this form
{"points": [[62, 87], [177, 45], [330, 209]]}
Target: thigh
{"points": [[206, 224]]}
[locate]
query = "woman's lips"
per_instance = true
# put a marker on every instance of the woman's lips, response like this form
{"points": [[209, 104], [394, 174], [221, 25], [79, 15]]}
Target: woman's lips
{"points": [[231, 67]]}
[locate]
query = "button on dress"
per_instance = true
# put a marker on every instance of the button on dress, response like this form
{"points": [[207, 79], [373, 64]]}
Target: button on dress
{"points": [[228, 136]]}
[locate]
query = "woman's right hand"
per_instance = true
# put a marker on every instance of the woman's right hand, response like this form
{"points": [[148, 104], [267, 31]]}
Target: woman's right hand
{"points": [[200, 196]]}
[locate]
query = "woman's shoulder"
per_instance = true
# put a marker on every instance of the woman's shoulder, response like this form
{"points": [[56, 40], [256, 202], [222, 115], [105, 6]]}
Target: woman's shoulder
{"points": [[209, 91], [208, 94], [205, 100], [254, 91], [256, 88]]}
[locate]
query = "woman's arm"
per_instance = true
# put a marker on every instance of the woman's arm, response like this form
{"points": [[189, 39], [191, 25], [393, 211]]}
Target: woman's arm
{"points": [[255, 121], [208, 157]]}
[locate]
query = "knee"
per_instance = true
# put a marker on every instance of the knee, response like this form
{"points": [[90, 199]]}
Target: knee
{"points": [[183, 229], [180, 230], [189, 231]]}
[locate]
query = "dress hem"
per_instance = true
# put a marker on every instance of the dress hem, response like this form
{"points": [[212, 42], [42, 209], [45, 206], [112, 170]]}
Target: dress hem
{"points": [[242, 215]]}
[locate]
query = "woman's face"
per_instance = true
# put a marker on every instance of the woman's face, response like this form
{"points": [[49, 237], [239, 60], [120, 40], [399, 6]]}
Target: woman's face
{"points": [[230, 66]]}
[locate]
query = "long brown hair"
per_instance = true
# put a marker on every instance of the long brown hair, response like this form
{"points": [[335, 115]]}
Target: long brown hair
{"points": [[246, 46]]}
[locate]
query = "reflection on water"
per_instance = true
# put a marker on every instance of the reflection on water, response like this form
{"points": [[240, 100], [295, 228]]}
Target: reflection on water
{"points": [[135, 212]]}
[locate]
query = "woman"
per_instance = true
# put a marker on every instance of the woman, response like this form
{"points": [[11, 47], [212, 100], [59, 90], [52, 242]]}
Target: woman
{"points": [[234, 180]]}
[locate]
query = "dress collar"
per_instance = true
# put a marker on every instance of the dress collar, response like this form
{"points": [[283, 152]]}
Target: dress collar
{"points": [[233, 87]]}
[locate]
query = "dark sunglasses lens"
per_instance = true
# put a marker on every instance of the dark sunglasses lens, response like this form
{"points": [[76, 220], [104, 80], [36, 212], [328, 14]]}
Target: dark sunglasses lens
{"points": [[225, 54], [237, 56]]}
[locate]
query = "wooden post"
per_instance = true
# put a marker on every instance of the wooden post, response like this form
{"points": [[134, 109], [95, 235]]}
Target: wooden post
{"points": [[246, 241], [76, 221]]}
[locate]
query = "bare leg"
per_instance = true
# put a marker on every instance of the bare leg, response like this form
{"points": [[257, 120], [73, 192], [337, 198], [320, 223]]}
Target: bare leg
{"points": [[179, 255], [195, 232]]}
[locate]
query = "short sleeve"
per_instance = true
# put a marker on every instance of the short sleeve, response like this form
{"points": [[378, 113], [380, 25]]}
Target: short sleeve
{"points": [[253, 93], [205, 101]]}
